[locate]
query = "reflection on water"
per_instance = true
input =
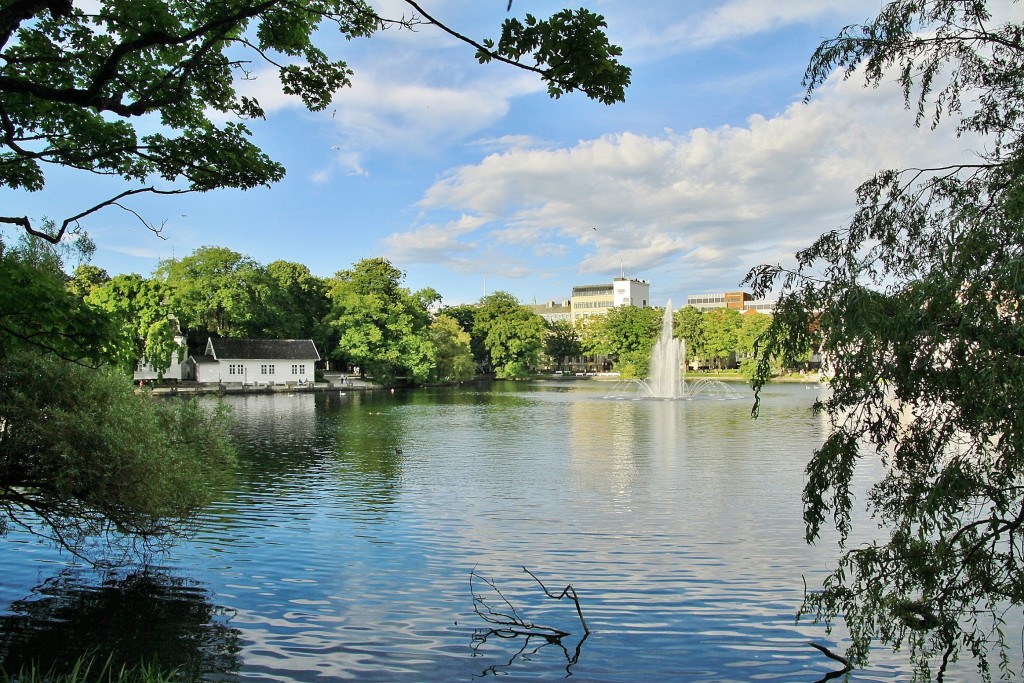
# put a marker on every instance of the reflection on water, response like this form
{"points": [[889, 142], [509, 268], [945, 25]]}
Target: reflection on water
{"points": [[343, 548], [145, 616]]}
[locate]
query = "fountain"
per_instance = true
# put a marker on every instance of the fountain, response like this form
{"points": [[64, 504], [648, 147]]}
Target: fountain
{"points": [[668, 371], [667, 378]]}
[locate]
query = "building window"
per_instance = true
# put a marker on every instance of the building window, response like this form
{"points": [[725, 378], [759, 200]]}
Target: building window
{"points": [[234, 369], [267, 369], [298, 369]]}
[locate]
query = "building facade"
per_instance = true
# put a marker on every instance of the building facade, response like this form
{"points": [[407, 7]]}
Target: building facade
{"points": [[590, 300], [258, 362], [737, 301], [554, 311]]}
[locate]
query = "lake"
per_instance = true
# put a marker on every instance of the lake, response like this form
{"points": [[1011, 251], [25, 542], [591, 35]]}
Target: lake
{"points": [[345, 547]]}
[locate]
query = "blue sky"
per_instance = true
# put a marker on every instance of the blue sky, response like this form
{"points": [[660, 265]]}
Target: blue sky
{"points": [[471, 179]]}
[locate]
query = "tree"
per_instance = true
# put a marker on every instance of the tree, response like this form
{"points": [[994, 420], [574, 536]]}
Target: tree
{"points": [[512, 334], [465, 314], [688, 327], [453, 356], [918, 300], [561, 342], [38, 312], [721, 328], [81, 454], [85, 278], [75, 77], [297, 302], [749, 342], [142, 309], [626, 334], [97, 462], [215, 290], [381, 327]]}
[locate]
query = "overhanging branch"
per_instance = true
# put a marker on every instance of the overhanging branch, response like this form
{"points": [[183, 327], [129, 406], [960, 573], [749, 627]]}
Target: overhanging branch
{"points": [[66, 225], [469, 41]]}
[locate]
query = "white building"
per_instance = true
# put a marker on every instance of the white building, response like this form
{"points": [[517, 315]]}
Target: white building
{"points": [[629, 292], [257, 361], [176, 371], [591, 300], [554, 311]]}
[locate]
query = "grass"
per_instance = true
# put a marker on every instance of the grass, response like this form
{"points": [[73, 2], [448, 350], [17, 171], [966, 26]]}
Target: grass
{"points": [[85, 671]]}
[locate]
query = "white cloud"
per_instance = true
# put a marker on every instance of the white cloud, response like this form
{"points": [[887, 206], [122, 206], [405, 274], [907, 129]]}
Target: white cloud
{"points": [[741, 18], [707, 24], [381, 111], [347, 161], [708, 204], [433, 243]]}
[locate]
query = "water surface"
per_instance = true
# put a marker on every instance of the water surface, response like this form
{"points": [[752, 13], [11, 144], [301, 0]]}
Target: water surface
{"points": [[344, 546]]}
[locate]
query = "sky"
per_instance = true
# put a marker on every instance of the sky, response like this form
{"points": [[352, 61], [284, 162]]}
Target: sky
{"points": [[470, 179]]}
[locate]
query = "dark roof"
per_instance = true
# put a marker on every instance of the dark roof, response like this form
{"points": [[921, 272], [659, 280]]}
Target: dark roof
{"points": [[269, 349]]}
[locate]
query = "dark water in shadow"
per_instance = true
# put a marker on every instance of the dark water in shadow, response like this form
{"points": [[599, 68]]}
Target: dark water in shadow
{"points": [[344, 547]]}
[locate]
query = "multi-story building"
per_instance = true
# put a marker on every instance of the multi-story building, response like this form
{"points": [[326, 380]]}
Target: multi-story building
{"points": [[554, 311], [737, 301], [591, 300]]}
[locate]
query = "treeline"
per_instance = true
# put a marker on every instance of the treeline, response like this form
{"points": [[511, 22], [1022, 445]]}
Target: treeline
{"points": [[364, 317], [360, 317], [717, 338]]}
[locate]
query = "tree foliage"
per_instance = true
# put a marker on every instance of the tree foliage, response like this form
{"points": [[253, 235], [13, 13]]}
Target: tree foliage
{"points": [[141, 308], [297, 302], [749, 342], [85, 278], [721, 328], [94, 459], [218, 291], [573, 45], [465, 314], [381, 326], [453, 356], [688, 326], [81, 455], [626, 334], [512, 334], [562, 341], [37, 311], [918, 300], [75, 77]]}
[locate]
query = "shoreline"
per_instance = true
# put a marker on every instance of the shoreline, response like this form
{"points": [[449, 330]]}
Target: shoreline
{"points": [[334, 383]]}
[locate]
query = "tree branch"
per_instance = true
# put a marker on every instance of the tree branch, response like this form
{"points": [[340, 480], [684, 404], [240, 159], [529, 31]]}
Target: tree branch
{"points": [[469, 41], [54, 238], [510, 622]]}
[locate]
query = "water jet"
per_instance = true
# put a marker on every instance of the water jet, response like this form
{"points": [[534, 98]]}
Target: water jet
{"points": [[667, 378]]}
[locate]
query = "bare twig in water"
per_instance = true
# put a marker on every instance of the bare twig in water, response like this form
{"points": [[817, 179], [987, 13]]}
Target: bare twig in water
{"points": [[567, 591], [507, 622], [847, 667]]}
